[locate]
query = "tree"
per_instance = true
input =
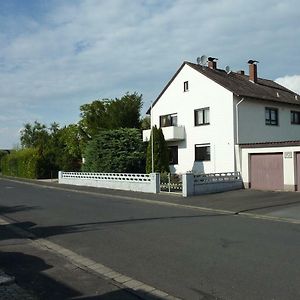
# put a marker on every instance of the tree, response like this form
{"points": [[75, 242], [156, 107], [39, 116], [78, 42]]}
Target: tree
{"points": [[120, 150], [125, 112], [35, 135], [160, 152], [110, 114], [94, 118], [146, 123], [68, 150], [57, 148]]}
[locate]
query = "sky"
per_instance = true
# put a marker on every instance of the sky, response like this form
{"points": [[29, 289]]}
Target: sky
{"points": [[57, 55]]}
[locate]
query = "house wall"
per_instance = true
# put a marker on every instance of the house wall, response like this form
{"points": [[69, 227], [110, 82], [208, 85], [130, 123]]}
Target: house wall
{"points": [[289, 164], [202, 93], [252, 127]]}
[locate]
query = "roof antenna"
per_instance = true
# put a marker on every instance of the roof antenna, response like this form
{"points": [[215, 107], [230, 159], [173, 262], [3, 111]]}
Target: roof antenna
{"points": [[228, 69], [202, 60]]}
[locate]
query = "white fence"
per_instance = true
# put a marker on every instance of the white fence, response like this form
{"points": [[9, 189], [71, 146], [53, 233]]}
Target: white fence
{"points": [[192, 184], [196, 184], [148, 183]]}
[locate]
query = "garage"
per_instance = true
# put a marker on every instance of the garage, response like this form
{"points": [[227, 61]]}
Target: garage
{"points": [[266, 171], [298, 170]]}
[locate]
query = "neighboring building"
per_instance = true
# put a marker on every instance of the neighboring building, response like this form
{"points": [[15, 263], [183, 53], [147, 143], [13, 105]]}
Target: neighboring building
{"points": [[216, 121]]}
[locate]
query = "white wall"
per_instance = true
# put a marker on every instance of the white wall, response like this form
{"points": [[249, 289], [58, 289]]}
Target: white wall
{"points": [[203, 92], [147, 183], [252, 127]]}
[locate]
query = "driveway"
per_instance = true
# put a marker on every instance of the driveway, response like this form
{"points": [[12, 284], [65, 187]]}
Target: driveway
{"points": [[269, 203]]}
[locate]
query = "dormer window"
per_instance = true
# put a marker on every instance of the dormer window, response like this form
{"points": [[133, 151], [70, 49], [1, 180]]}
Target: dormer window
{"points": [[186, 86]]}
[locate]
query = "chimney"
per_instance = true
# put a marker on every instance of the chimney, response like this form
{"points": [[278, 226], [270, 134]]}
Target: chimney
{"points": [[212, 63], [253, 70]]}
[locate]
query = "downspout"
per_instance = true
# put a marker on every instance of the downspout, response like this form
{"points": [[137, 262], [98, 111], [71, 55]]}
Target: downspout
{"points": [[237, 157], [237, 119]]}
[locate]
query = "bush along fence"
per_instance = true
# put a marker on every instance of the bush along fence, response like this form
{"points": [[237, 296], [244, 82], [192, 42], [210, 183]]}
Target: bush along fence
{"points": [[148, 183], [193, 184]]}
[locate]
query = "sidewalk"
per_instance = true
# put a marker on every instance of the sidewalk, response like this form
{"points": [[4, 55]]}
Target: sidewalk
{"points": [[31, 272]]}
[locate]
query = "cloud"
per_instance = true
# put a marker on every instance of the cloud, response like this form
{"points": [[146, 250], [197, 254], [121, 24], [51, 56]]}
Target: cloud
{"points": [[290, 82], [62, 54]]}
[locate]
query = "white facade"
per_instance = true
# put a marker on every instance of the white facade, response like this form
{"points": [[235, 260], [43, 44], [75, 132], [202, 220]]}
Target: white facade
{"points": [[202, 93]]}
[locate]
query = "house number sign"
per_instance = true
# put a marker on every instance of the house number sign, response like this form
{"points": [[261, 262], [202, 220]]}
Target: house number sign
{"points": [[288, 154]]}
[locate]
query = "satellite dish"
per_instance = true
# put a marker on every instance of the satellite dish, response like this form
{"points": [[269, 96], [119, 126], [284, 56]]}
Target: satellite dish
{"points": [[199, 60], [203, 60], [227, 69]]}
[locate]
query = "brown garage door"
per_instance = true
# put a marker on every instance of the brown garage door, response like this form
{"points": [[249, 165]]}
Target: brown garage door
{"points": [[266, 171], [298, 170]]}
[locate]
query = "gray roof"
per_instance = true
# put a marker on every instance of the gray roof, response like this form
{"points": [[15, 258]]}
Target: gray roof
{"points": [[241, 86]]}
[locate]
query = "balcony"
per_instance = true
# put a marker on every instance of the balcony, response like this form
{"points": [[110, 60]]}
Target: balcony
{"points": [[171, 133]]}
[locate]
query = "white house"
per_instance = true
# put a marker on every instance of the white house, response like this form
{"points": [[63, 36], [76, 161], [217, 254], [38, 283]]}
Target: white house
{"points": [[216, 121]]}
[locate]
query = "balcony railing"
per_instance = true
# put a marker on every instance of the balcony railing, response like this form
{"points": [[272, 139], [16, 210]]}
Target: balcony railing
{"points": [[171, 133]]}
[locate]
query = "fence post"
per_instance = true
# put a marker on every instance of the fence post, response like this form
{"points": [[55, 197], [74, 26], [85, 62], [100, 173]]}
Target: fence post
{"points": [[187, 184], [59, 176], [155, 182]]}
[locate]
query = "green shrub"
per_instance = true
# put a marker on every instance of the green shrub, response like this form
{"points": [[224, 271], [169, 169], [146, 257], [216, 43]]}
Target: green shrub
{"points": [[116, 151], [24, 163], [160, 152], [2, 154]]}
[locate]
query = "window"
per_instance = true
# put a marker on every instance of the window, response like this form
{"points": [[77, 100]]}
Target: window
{"points": [[185, 86], [271, 116], [173, 155], [201, 116], [202, 152], [295, 117], [168, 120]]}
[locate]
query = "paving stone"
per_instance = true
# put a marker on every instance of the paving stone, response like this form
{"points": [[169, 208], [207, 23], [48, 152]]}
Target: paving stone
{"points": [[145, 288], [122, 279], [159, 293], [133, 283]]}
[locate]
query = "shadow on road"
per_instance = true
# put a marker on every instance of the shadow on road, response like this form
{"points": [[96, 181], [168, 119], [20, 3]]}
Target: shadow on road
{"points": [[46, 231], [16, 208], [268, 206]]}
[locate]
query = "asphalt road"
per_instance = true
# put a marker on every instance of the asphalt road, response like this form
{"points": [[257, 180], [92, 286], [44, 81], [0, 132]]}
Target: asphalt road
{"points": [[186, 252]]}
